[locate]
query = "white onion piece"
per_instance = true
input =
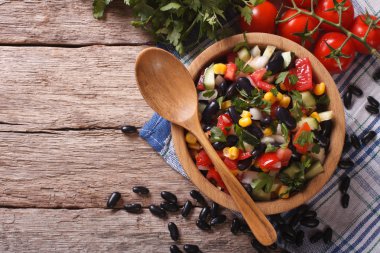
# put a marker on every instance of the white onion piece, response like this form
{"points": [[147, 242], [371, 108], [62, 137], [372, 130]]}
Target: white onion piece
{"points": [[279, 138], [249, 176], [200, 167], [256, 113], [267, 139], [248, 147], [255, 51], [259, 62], [202, 97], [278, 129]]}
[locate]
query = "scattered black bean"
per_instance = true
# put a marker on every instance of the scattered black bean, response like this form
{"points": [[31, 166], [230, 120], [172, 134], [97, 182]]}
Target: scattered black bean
{"points": [[355, 90], [175, 249], [222, 88], [232, 140], [326, 127], [316, 237], [245, 164], [248, 188], [203, 225], [259, 150], [186, 208], [173, 229], [266, 121], [210, 111], [371, 109], [345, 200], [214, 209], [310, 214], [376, 75], [344, 184], [257, 245], [286, 229], [298, 214], [235, 226], [113, 199], [311, 223], [347, 99], [355, 141], [169, 207], [129, 129], [288, 238], [231, 91], [142, 190], [197, 196], [273, 246], [218, 220], [285, 117], [299, 238], [256, 131], [169, 197], [191, 248], [321, 139], [157, 211], [327, 235], [133, 208], [242, 83], [275, 63], [244, 228], [368, 137], [346, 163], [277, 218], [372, 101], [219, 145], [204, 213]]}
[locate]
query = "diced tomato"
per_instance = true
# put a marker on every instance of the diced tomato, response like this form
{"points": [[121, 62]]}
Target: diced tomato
{"points": [[301, 149], [273, 110], [224, 123], [201, 87], [231, 57], [213, 175], [231, 164], [257, 77], [244, 155], [202, 159], [284, 154], [287, 85], [304, 74], [269, 161], [230, 72], [264, 86]]}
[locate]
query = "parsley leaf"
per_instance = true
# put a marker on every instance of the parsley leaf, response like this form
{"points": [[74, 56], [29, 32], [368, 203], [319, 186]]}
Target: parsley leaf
{"points": [[293, 79], [274, 91], [217, 135], [281, 77], [220, 101], [265, 182], [270, 148], [306, 137], [240, 104], [285, 132], [316, 148], [242, 66], [99, 7], [209, 93], [296, 111], [244, 43]]}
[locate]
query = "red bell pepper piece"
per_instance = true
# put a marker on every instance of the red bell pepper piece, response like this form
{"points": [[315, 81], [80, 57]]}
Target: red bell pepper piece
{"points": [[231, 164], [202, 159], [269, 161], [301, 149], [257, 77], [304, 74], [230, 72]]}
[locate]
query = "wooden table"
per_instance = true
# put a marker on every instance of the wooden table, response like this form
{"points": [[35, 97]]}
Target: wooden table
{"points": [[67, 85]]}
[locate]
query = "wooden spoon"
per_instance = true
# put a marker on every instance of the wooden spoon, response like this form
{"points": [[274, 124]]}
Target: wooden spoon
{"points": [[168, 88]]}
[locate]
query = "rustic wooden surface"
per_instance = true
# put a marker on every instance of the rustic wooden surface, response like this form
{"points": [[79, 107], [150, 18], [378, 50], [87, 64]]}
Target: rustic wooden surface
{"points": [[66, 86]]}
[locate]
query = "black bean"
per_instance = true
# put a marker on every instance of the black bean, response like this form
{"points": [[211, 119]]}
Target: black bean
{"points": [[284, 116], [248, 188], [347, 99], [170, 207], [345, 200], [346, 163], [142, 190], [203, 225], [275, 63], [327, 235], [259, 150], [186, 208], [133, 208], [232, 140], [197, 196], [191, 248], [288, 238], [175, 249], [321, 139], [210, 111], [157, 211], [326, 127], [218, 219], [235, 116], [277, 218], [355, 141], [204, 172], [244, 228], [235, 226], [311, 223], [266, 121], [173, 229], [245, 164], [214, 209], [288, 230], [242, 83], [284, 251], [371, 109], [310, 214], [222, 88], [273, 246], [299, 238], [169, 197], [369, 136], [372, 101], [316, 237], [376, 75], [231, 91], [344, 184], [257, 245], [355, 90], [256, 131], [204, 213], [129, 129], [113, 199], [219, 145], [297, 215]]}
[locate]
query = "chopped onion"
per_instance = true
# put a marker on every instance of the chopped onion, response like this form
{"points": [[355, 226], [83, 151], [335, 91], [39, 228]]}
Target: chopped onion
{"points": [[255, 51], [259, 62], [267, 139], [279, 138], [248, 147], [256, 113], [249, 176], [208, 98], [278, 129]]}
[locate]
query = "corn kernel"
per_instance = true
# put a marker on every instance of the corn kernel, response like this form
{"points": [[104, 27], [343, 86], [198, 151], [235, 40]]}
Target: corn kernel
{"points": [[319, 89], [285, 101], [226, 104], [226, 152], [190, 138], [279, 96], [269, 97], [219, 68], [315, 115], [246, 114], [268, 131], [233, 153], [244, 122], [283, 86]]}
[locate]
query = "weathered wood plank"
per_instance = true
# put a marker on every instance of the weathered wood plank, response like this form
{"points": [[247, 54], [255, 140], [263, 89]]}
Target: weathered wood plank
{"points": [[80, 169], [44, 88], [66, 22], [97, 230]]}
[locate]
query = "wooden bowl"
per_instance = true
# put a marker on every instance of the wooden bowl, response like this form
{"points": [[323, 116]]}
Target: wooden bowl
{"points": [[320, 73]]}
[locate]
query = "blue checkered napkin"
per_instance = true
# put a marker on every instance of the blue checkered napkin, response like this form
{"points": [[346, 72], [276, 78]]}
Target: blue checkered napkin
{"points": [[357, 228]]}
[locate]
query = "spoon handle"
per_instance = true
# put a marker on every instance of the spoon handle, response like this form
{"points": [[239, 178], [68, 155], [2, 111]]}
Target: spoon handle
{"points": [[256, 220]]}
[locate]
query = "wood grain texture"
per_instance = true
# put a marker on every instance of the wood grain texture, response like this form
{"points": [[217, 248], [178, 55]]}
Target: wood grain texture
{"points": [[88, 87], [97, 230], [71, 23]]}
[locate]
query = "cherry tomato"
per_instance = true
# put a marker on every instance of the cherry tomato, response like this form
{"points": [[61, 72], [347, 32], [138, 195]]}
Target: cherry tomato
{"points": [[257, 77], [360, 28], [301, 149], [263, 18], [325, 10], [304, 74], [202, 159], [296, 25], [287, 85], [306, 4], [284, 154], [335, 40], [214, 177], [269, 161], [224, 122]]}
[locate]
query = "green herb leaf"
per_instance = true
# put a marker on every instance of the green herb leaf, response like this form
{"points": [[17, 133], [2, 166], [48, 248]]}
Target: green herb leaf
{"points": [[242, 66], [267, 74], [246, 13], [238, 131], [244, 43], [217, 135], [306, 137], [240, 104], [170, 6], [274, 91], [265, 182], [98, 8], [270, 148], [296, 111], [281, 77], [307, 161], [285, 132], [293, 79], [323, 100], [249, 138], [316, 148], [220, 101], [209, 93]]}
